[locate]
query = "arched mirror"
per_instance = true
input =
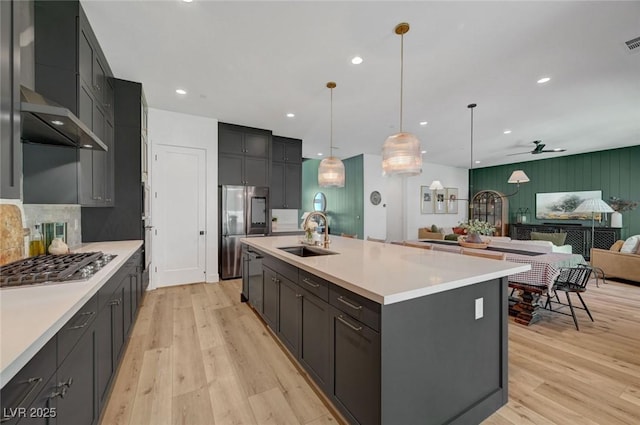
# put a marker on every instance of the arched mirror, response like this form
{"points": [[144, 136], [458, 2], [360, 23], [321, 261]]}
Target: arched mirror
{"points": [[319, 202]]}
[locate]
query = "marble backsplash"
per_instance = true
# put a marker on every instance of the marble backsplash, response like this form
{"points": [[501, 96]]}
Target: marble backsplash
{"points": [[45, 213]]}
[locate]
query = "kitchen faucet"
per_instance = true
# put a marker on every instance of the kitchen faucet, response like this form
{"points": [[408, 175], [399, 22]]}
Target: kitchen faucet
{"points": [[326, 242]]}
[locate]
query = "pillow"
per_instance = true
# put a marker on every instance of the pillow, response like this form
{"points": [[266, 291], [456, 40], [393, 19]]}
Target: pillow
{"points": [[556, 238], [616, 246], [459, 231], [630, 245]]}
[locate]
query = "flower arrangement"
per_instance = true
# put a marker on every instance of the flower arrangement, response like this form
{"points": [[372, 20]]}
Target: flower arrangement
{"points": [[620, 205], [478, 227], [310, 229]]}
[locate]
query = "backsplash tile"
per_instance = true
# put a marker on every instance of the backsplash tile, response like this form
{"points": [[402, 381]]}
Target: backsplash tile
{"points": [[45, 213]]}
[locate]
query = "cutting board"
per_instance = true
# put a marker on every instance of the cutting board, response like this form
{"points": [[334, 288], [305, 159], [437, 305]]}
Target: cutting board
{"points": [[11, 234]]}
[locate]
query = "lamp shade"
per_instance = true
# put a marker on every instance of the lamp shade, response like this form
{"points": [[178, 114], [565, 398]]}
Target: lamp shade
{"points": [[518, 177], [331, 172], [436, 185], [401, 155], [594, 205]]}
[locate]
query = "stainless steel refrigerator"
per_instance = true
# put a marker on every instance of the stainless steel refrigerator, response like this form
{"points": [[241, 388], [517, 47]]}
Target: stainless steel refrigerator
{"points": [[244, 212]]}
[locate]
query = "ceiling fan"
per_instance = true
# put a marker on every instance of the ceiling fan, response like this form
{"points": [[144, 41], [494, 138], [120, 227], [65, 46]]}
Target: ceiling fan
{"points": [[539, 149]]}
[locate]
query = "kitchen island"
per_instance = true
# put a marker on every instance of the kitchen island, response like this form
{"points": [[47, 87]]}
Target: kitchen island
{"points": [[390, 334]]}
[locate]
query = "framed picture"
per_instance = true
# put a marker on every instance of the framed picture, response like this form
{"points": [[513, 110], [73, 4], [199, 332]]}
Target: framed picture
{"points": [[426, 200], [441, 204], [452, 200], [560, 205]]}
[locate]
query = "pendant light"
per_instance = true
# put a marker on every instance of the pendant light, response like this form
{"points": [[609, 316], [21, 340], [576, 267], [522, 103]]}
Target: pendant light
{"points": [[401, 153], [331, 169]]}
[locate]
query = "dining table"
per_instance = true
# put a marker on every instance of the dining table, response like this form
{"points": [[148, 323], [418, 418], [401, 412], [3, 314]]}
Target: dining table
{"points": [[525, 305]]}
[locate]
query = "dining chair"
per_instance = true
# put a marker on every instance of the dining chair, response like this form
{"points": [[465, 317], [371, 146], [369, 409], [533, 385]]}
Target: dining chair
{"points": [[369, 238], [491, 255], [570, 279], [345, 235]]}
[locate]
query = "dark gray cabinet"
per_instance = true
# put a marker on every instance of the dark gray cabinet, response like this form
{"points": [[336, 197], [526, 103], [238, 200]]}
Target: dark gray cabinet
{"points": [[286, 173], [315, 345], [71, 70], [243, 155], [356, 366], [289, 314], [10, 146], [270, 297]]}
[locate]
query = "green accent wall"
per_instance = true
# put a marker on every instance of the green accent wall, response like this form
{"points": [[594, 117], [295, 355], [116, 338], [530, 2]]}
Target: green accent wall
{"points": [[345, 206], [616, 172]]}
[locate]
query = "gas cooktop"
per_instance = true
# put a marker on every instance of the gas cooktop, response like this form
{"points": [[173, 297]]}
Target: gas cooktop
{"points": [[46, 269]]}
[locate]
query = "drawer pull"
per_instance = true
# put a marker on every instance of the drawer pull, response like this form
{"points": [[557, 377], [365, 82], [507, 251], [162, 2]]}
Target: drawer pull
{"points": [[115, 302], [86, 322], [355, 328], [310, 283], [348, 303], [33, 384]]}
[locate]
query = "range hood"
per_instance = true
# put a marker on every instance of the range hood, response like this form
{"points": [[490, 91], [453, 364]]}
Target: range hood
{"points": [[46, 122]]}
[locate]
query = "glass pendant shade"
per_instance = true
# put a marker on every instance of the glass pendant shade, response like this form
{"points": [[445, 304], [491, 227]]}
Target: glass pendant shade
{"points": [[401, 154], [331, 172]]}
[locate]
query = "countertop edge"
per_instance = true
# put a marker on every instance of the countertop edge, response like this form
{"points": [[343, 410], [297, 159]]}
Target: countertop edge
{"points": [[22, 358]]}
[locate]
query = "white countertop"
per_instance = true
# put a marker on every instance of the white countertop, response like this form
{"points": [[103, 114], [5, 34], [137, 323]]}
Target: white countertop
{"points": [[31, 316], [387, 273]]}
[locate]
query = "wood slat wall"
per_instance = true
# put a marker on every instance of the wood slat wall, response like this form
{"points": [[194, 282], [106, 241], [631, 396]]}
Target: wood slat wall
{"points": [[616, 172]]}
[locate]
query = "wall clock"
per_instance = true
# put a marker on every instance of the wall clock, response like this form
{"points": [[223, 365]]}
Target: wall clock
{"points": [[375, 197]]}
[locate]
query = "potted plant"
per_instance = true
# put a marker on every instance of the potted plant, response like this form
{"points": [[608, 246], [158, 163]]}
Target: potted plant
{"points": [[620, 205]]}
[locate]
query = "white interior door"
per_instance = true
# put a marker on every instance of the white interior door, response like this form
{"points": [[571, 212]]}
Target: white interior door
{"points": [[179, 205]]}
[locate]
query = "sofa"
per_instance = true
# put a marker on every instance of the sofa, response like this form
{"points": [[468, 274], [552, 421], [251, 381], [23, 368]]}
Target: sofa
{"points": [[528, 245], [617, 264]]}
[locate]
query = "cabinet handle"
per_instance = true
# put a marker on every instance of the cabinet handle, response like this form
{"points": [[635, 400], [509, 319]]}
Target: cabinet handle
{"points": [[115, 302], [60, 392], [273, 279], [67, 384], [355, 328], [86, 322], [310, 283], [33, 384], [348, 303], [298, 295]]}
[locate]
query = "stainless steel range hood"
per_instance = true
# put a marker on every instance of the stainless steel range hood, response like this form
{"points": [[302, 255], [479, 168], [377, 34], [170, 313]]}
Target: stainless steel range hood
{"points": [[46, 122]]}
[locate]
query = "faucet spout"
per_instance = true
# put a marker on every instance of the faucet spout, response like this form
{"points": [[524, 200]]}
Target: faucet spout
{"points": [[326, 241]]}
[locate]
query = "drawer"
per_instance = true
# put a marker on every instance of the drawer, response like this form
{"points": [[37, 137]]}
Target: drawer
{"points": [[105, 294], [70, 333], [279, 266], [356, 306], [28, 382], [314, 284]]}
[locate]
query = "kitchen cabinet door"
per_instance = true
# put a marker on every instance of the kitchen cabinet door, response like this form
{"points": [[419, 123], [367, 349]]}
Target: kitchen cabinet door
{"points": [[104, 346], [76, 378], [230, 169], [356, 364], [117, 313], [270, 298], [256, 171], [256, 145], [230, 141], [128, 300], [277, 197], [256, 290], [293, 186], [289, 314], [315, 347]]}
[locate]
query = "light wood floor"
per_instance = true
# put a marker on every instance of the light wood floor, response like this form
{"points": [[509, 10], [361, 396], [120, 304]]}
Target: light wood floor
{"points": [[197, 356]]}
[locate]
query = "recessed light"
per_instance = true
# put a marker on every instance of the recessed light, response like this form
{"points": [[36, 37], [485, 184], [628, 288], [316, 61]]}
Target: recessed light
{"points": [[187, 1], [423, 151], [87, 146], [320, 154], [507, 132], [291, 115], [559, 150], [57, 122], [357, 60], [477, 162], [423, 123], [543, 80], [181, 91]]}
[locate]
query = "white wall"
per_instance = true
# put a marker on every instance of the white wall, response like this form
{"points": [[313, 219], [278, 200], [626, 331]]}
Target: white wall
{"points": [[172, 128], [375, 216], [449, 177]]}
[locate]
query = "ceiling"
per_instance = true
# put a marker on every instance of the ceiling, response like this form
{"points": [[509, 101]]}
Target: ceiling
{"points": [[251, 63]]}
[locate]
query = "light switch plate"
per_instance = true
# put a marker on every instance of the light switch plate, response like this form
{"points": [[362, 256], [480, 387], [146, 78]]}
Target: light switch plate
{"points": [[479, 308]]}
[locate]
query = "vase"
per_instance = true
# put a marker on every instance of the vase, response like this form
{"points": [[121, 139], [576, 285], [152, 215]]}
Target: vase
{"points": [[616, 219], [473, 238]]}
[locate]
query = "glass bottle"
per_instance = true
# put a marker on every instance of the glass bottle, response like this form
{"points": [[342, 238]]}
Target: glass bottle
{"points": [[36, 246]]}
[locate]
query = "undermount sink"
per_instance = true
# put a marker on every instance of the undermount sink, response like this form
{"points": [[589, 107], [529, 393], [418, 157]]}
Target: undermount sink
{"points": [[306, 251]]}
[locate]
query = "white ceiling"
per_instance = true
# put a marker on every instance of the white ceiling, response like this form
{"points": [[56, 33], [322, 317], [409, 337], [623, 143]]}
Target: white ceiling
{"points": [[250, 63]]}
